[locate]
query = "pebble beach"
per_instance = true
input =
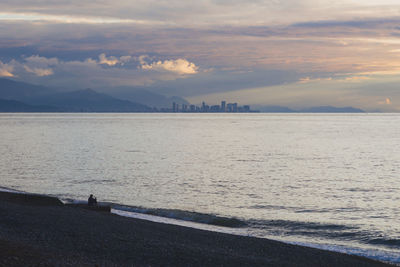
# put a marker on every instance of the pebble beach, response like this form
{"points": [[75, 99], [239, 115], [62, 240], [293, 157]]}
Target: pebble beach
{"points": [[41, 231]]}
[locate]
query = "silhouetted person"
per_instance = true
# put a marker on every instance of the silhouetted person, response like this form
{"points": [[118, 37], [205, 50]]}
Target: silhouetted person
{"points": [[92, 201]]}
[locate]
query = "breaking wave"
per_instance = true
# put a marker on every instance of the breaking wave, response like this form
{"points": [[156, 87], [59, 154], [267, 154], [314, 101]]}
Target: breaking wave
{"points": [[186, 216]]}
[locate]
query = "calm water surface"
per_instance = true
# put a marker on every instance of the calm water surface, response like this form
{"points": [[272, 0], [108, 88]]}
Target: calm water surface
{"points": [[327, 180]]}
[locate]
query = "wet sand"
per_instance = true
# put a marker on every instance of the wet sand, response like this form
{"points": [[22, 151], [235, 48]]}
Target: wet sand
{"points": [[44, 232]]}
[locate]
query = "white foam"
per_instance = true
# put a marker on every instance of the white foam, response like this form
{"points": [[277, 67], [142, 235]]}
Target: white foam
{"points": [[9, 190], [165, 220]]}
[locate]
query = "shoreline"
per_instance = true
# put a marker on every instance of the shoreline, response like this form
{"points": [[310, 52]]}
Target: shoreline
{"points": [[41, 231]]}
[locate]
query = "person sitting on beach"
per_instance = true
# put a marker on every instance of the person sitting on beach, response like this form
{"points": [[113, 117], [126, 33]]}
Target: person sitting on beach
{"points": [[92, 201]]}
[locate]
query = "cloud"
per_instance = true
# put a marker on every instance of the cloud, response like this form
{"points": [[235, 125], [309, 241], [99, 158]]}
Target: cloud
{"points": [[311, 80], [346, 79], [306, 48], [43, 61], [99, 71], [387, 101], [43, 66], [184, 13], [180, 66], [40, 66], [70, 19], [41, 72], [6, 70], [112, 61], [356, 78]]}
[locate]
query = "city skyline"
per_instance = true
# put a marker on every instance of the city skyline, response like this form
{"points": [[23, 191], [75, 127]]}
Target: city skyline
{"points": [[205, 108]]}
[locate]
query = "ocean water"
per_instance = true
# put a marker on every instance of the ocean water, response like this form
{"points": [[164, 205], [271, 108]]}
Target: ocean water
{"points": [[324, 180]]}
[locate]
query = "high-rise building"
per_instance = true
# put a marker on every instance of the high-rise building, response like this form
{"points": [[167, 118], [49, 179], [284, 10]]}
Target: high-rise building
{"points": [[223, 106], [203, 106], [235, 107], [215, 108]]}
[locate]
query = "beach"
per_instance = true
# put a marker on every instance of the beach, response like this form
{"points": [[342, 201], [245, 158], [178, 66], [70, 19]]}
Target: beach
{"points": [[41, 231]]}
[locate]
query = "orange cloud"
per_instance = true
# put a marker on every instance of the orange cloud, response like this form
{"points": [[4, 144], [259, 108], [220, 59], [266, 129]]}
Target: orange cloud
{"points": [[356, 78], [6, 70], [387, 101]]}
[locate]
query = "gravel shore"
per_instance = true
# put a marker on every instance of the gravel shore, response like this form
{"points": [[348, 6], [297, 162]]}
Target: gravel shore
{"points": [[37, 232]]}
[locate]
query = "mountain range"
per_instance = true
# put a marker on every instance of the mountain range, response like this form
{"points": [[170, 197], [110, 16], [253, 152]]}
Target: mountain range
{"points": [[24, 97], [143, 96], [18, 96], [87, 100], [319, 109]]}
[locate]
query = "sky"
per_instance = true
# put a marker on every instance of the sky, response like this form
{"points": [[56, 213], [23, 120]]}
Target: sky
{"points": [[295, 53]]}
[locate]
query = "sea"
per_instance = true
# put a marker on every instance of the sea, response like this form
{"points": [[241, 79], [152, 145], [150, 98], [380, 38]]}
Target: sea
{"points": [[329, 181]]}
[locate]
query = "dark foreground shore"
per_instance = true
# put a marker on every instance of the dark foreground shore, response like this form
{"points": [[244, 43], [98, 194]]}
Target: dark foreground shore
{"points": [[43, 232]]}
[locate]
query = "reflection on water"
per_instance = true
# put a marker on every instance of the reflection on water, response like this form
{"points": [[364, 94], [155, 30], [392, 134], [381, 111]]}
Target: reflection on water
{"points": [[283, 174]]}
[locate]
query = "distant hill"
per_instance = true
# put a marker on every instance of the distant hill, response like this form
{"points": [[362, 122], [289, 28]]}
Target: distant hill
{"points": [[121, 99], [21, 91], [25, 97], [274, 109], [330, 109], [88, 100], [146, 97], [17, 106], [321, 109]]}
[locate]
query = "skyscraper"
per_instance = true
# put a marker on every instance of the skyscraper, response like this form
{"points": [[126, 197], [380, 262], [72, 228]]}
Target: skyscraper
{"points": [[223, 106]]}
